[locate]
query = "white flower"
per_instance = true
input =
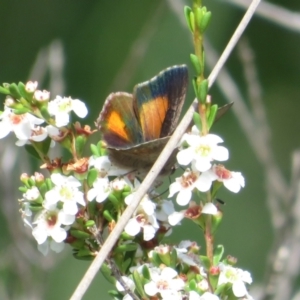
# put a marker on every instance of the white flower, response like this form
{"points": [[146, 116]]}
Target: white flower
{"points": [[187, 183], [209, 209], [21, 125], [130, 284], [206, 296], [237, 277], [105, 167], [66, 191], [144, 218], [38, 134], [41, 95], [32, 194], [31, 86], [176, 217], [100, 190], [48, 224], [118, 184], [163, 282], [189, 258], [60, 108], [54, 246], [164, 208], [202, 150], [233, 181]]}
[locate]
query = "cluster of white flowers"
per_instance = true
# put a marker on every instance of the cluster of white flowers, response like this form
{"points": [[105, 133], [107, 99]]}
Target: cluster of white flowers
{"points": [[201, 153], [27, 126], [62, 202], [165, 282]]}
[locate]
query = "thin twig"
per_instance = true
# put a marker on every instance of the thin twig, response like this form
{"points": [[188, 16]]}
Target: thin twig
{"points": [[274, 13], [285, 260], [111, 264], [162, 159]]}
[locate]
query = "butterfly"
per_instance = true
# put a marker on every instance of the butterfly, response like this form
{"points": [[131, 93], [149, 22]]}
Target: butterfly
{"points": [[136, 127]]}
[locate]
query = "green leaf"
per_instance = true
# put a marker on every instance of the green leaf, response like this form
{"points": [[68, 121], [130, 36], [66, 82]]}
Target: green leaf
{"points": [[31, 150], [196, 89], [146, 272], [212, 114], [4, 90], [126, 248], [205, 21], [115, 295], [113, 199], [205, 261], [192, 285], [49, 184], [23, 92], [78, 244], [79, 234], [106, 271], [35, 208], [198, 14], [44, 112], [126, 264], [21, 110], [139, 284], [197, 121], [196, 63], [89, 223], [222, 111], [202, 90], [218, 253], [107, 216], [95, 150], [187, 12], [173, 259], [23, 189], [156, 259], [79, 144], [14, 91]]}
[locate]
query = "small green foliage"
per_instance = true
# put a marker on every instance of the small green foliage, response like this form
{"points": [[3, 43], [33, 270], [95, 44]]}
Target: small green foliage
{"points": [[197, 121], [79, 234], [21, 110], [205, 261], [44, 112], [202, 90], [107, 216], [95, 150], [4, 90], [146, 273], [91, 177], [187, 14], [218, 253], [198, 14], [112, 197], [139, 284], [14, 91], [212, 115], [79, 144], [126, 247], [106, 271], [205, 21], [89, 223], [173, 259], [23, 92], [196, 63]]}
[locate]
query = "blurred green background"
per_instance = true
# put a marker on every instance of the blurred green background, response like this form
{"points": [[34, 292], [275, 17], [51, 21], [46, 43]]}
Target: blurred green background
{"points": [[87, 49]]}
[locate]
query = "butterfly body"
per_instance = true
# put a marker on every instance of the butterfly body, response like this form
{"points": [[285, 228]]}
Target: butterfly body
{"points": [[136, 127]]}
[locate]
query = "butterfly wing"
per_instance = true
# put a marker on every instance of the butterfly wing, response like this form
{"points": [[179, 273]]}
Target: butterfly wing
{"points": [[117, 122], [158, 102]]}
